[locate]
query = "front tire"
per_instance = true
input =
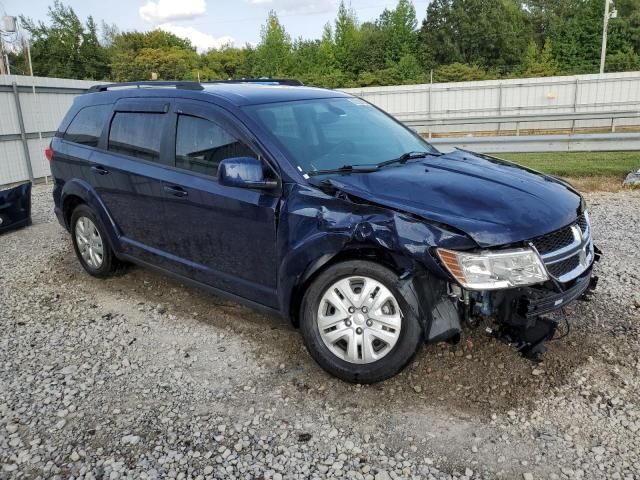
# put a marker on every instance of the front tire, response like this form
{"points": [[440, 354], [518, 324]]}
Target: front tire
{"points": [[90, 243], [357, 324]]}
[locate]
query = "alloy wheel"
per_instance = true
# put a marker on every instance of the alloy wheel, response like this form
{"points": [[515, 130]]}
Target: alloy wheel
{"points": [[89, 241]]}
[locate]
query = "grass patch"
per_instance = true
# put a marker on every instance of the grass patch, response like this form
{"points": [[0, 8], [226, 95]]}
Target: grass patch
{"points": [[613, 165]]}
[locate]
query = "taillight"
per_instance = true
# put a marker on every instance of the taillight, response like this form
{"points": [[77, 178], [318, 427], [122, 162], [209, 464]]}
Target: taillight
{"points": [[48, 152]]}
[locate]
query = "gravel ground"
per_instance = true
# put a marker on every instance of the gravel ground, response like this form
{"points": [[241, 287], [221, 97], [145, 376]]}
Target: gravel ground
{"points": [[141, 377]]}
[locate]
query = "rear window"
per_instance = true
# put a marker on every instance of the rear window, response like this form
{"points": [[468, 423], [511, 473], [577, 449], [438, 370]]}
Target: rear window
{"points": [[87, 125], [137, 135]]}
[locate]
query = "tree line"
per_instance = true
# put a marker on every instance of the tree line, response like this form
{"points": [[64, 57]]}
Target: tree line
{"points": [[458, 40]]}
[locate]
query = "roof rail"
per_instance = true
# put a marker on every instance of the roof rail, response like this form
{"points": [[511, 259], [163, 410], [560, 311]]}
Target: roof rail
{"points": [[292, 82], [184, 85]]}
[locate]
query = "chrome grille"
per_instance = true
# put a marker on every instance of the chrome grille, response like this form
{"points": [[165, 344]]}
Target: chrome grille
{"points": [[567, 252]]}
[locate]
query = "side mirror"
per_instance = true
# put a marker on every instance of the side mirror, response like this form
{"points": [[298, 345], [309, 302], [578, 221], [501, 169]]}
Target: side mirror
{"points": [[244, 172]]}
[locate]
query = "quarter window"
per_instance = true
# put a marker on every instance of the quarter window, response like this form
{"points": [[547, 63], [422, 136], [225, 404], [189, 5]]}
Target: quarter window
{"points": [[137, 135], [87, 125], [202, 144]]}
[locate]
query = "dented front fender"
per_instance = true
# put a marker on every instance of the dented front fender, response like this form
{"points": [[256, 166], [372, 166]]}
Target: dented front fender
{"points": [[316, 226]]}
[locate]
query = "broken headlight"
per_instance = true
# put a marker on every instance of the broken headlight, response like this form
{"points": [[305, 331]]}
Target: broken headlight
{"points": [[494, 270]]}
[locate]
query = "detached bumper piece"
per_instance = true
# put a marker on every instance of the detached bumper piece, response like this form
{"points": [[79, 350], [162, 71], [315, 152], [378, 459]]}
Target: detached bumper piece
{"points": [[521, 319], [15, 207], [538, 303]]}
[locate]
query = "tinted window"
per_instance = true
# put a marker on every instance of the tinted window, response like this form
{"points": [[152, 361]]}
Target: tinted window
{"points": [[87, 125], [201, 145], [137, 134]]}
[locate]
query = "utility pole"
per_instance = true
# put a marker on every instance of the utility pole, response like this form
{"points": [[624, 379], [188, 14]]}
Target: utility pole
{"points": [[605, 27], [26, 41]]}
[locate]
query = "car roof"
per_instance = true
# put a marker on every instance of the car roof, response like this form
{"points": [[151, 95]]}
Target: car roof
{"points": [[241, 94], [234, 93]]}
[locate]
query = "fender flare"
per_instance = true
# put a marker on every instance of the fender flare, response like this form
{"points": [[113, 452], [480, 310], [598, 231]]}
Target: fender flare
{"points": [[309, 257], [84, 191], [302, 261]]}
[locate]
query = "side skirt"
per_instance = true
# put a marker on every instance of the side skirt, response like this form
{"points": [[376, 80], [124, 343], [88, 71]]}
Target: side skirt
{"points": [[271, 312]]}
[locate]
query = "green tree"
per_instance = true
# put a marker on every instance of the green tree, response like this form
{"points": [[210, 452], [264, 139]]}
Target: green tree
{"points": [[577, 37], [94, 55], [459, 72], [369, 52], [65, 47], [271, 55], [346, 39], [398, 27], [624, 60], [574, 28], [460, 40], [140, 55], [491, 33], [227, 62], [539, 63]]}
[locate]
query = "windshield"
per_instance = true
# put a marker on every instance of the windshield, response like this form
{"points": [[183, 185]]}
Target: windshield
{"points": [[327, 134]]}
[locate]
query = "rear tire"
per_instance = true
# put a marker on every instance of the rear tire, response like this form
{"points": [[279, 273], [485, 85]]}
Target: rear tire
{"points": [[356, 323], [91, 244]]}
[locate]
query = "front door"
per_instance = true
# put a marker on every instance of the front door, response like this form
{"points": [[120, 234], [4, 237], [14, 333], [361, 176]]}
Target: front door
{"points": [[220, 235]]}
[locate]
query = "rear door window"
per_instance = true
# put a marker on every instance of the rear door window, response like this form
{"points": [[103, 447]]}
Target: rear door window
{"points": [[87, 125], [137, 134], [202, 144]]}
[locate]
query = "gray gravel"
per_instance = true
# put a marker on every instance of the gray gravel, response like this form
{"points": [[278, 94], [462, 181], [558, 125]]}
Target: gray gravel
{"points": [[141, 377]]}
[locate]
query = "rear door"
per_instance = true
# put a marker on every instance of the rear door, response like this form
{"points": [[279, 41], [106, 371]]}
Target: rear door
{"points": [[223, 236], [127, 173], [79, 141]]}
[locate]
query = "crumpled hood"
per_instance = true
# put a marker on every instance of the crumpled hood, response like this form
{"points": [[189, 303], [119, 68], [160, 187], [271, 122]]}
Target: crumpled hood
{"points": [[492, 201]]}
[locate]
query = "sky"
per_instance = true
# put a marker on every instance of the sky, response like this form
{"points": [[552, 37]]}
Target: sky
{"points": [[210, 23]]}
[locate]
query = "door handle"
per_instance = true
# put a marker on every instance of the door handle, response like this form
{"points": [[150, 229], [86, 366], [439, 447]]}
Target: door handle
{"points": [[100, 170], [176, 191]]}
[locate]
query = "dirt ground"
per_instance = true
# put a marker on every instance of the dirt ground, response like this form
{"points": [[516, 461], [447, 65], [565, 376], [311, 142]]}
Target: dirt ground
{"points": [[139, 376]]}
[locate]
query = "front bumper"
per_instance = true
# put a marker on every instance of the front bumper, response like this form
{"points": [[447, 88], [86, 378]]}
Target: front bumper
{"points": [[537, 302], [523, 306]]}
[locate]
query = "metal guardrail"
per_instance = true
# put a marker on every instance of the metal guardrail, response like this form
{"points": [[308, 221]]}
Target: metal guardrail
{"points": [[542, 143], [518, 120], [546, 117]]}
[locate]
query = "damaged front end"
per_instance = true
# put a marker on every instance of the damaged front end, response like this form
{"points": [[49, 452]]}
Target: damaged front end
{"points": [[521, 314], [15, 207], [328, 225]]}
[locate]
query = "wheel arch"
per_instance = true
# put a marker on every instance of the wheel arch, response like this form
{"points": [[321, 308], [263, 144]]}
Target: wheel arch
{"points": [[77, 192], [372, 254]]}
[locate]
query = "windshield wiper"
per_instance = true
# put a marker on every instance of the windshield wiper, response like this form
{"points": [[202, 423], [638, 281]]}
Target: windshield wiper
{"points": [[344, 169], [405, 157]]}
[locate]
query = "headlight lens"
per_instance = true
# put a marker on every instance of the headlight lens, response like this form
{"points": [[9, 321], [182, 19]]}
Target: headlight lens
{"points": [[494, 270]]}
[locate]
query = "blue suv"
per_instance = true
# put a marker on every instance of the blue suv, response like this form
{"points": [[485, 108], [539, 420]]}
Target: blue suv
{"points": [[317, 206]]}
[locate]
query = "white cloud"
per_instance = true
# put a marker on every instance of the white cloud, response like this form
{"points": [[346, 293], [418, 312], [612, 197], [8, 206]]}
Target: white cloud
{"points": [[169, 10], [202, 41], [297, 6]]}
